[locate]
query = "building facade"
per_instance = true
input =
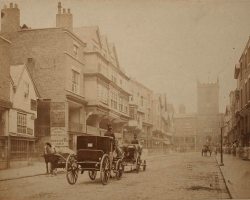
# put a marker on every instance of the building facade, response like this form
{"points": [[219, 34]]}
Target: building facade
{"points": [[5, 103], [141, 113], [22, 115], [185, 136], [106, 84], [242, 98], [55, 59]]}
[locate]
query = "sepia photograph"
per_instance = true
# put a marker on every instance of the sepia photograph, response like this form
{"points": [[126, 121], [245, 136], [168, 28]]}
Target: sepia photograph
{"points": [[124, 99]]}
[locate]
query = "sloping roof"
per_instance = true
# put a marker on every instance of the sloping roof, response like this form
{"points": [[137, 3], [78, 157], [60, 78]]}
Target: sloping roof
{"points": [[16, 72], [88, 33]]}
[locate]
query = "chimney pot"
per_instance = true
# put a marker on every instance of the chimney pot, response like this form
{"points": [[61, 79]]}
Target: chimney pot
{"points": [[59, 7], [11, 5], [64, 10], [16, 5]]}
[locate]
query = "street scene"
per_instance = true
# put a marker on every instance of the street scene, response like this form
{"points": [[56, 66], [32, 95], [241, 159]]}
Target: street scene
{"points": [[172, 176], [124, 99]]}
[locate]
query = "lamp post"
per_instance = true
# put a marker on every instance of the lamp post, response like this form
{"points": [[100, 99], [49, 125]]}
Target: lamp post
{"points": [[221, 149]]}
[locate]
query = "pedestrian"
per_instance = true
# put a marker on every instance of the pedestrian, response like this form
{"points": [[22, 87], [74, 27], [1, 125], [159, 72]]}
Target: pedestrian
{"points": [[49, 157]]}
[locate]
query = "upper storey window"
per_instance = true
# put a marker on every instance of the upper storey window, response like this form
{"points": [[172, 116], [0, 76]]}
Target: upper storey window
{"points": [[75, 49], [75, 81]]}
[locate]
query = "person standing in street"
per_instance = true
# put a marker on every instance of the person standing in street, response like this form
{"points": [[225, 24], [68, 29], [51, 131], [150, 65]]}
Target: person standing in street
{"points": [[49, 152]]}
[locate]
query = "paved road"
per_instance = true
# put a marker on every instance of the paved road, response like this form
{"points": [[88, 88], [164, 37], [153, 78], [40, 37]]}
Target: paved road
{"points": [[174, 176]]}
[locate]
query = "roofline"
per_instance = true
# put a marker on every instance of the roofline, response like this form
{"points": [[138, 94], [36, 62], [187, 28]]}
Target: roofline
{"points": [[4, 39], [131, 79], [57, 28], [31, 78]]}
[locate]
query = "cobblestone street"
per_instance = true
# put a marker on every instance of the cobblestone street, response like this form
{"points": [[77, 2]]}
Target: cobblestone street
{"points": [[173, 176]]}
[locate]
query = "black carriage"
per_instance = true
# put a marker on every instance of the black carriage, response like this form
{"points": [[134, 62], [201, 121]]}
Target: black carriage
{"points": [[57, 161], [132, 157], [93, 154]]}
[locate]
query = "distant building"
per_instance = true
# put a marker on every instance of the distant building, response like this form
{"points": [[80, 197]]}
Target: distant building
{"points": [[182, 109], [208, 117], [141, 113], [185, 137]]}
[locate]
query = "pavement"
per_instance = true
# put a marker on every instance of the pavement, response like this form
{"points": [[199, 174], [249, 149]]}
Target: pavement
{"points": [[236, 173], [34, 169]]}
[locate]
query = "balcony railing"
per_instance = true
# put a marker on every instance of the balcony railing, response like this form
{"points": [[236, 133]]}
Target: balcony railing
{"points": [[75, 127]]}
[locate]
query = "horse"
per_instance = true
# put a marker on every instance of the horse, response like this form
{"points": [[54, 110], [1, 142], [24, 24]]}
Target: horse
{"points": [[206, 149]]}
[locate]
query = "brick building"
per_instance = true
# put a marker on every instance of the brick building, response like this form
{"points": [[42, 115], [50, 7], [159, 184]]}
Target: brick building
{"points": [[55, 58]]}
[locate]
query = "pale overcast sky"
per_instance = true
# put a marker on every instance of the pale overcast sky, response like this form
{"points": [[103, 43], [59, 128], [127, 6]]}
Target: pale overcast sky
{"points": [[165, 44]]}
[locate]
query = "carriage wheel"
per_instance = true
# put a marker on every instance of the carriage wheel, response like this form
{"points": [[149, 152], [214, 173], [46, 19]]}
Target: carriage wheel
{"points": [[71, 169], [144, 165], [92, 175], [119, 169], [105, 170]]}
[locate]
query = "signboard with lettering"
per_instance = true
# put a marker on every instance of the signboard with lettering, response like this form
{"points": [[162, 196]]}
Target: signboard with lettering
{"points": [[59, 137], [57, 114]]}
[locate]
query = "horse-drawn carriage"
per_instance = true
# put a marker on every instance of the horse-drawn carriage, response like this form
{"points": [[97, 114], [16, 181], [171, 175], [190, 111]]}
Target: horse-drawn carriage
{"points": [[132, 157], [206, 149], [93, 154]]}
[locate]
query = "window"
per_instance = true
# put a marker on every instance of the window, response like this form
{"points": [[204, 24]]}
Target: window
{"points": [[103, 93], [33, 104], [75, 81], [120, 104], [26, 89], [141, 100], [75, 49], [21, 123]]}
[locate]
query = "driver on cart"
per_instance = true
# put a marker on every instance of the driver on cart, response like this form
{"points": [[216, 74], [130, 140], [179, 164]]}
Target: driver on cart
{"points": [[135, 141], [110, 133]]}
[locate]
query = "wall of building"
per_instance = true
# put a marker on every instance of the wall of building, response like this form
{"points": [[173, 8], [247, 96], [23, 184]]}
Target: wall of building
{"points": [[4, 70], [45, 46]]}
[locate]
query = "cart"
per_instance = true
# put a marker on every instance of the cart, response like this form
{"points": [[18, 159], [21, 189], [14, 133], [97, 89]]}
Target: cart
{"points": [[94, 154]]}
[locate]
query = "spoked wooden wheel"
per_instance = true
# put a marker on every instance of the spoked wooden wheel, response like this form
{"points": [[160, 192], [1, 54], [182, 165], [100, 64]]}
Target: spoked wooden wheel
{"points": [[71, 169], [105, 170], [119, 169], [144, 165], [92, 175]]}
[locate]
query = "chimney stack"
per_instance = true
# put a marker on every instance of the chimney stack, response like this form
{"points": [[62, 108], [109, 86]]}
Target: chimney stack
{"points": [[64, 19], [10, 18]]}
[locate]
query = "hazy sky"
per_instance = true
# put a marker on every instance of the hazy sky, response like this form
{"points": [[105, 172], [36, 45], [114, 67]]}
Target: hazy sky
{"points": [[166, 45]]}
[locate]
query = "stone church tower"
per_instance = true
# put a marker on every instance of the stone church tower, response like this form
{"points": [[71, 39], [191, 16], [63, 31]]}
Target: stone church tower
{"points": [[208, 117]]}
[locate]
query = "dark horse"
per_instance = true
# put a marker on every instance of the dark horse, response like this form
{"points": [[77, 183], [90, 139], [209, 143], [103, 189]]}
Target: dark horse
{"points": [[206, 149]]}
